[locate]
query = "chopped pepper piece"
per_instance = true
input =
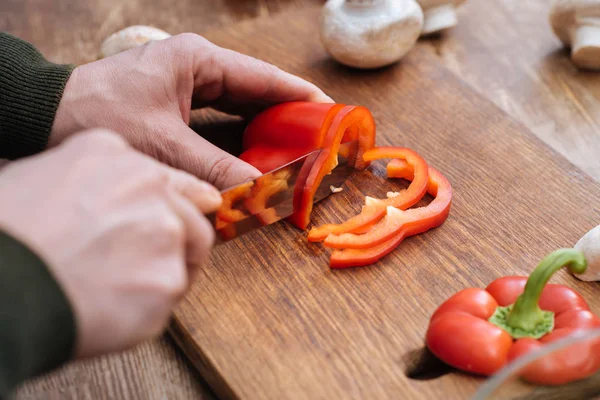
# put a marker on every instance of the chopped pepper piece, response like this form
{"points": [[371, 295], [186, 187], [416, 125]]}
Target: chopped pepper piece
{"points": [[384, 236], [425, 218], [375, 209], [226, 212], [474, 329], [265, 188], [287, 131]]}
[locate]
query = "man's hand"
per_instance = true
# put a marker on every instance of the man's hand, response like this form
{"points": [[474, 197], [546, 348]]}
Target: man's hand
{"points": [[147, 93], [121, 233]]}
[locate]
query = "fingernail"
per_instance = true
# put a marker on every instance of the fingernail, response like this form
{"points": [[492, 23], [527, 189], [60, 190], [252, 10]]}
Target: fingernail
{"points": [[323, 98]]}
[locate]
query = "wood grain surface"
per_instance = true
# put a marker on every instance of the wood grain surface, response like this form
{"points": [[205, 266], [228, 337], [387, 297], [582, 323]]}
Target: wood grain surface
{"points": [[267, 319], [71, 31], [504, 49], [154, 370]]}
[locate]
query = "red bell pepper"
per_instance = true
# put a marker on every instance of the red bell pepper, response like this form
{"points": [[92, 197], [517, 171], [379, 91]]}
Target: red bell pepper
{"points": [[423, 219], [287, 131], [397, 224], [479, 331], [265, 188], [226, 212], [375, 209]]}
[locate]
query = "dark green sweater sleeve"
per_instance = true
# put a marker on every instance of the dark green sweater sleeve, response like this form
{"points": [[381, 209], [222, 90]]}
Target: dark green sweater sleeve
{"points": [[30, 90], [37, 329]]}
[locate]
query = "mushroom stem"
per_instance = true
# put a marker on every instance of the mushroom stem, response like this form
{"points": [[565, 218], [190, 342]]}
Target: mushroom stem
{"points": [[439, 18], [585, 48]]}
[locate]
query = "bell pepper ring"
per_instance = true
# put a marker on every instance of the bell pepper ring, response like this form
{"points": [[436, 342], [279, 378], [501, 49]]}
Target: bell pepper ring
{"points": [[384, 236], [286, 131], [428, 217], [375, 209], [480, 331]]}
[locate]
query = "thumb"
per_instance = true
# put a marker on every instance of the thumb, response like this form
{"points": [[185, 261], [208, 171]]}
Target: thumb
{"points": [[201, 158]]}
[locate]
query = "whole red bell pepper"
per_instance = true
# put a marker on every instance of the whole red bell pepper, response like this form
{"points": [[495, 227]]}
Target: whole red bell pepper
{"points": [[419, 220], [287, 131], [375, 209], [480, 331]]}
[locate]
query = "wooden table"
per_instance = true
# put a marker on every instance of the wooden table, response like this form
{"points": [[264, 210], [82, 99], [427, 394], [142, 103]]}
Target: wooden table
{"points": [[505, 50]]}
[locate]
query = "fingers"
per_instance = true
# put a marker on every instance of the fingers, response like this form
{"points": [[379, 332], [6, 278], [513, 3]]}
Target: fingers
{"points": [[245, 85], [204, 196], [187, 195], [236, 83], [206, 161], [199, 234]]}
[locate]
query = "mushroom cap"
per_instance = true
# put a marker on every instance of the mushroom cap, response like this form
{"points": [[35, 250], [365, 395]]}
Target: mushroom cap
{"points": [[370, 36], [131, 37], [589, 244]]}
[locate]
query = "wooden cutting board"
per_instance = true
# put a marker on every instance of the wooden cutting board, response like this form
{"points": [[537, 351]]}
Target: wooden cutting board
{"points": [[267, 318]]}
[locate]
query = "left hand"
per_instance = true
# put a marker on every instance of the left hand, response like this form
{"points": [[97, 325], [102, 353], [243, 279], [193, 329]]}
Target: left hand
{"points": [[146, 95]]}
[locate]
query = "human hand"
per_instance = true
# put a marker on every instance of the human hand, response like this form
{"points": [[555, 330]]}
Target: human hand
{"points": [[120, 232], [147, 93]]}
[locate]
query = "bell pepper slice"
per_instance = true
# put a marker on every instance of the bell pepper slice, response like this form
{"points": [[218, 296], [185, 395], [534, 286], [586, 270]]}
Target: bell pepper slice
{"points": [[384, 236], [429, 217], [282, 133], [226, 212], [265, 188], [226, 230], [350, 123], [479, 330], [375, 209]]}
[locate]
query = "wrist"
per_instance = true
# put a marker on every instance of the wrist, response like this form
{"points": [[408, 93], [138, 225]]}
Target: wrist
{"points": [[66, 120], [30, 90]]}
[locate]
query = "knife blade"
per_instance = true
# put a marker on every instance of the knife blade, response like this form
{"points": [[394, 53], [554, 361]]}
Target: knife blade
{"points": [[270, 197]]}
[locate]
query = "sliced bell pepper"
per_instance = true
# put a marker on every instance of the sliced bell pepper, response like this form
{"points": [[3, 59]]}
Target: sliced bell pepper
{"points": [[384, 236], [375, 209], [424, 219], [266, 187], [286, 131], [480, 331], [226, 212], [226, 230]]}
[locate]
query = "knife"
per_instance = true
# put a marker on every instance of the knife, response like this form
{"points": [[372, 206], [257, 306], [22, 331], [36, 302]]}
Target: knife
{"points": [[270, 197]]}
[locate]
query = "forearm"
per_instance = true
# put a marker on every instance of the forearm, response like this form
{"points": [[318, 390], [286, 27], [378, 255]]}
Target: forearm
{"points": [[37, 330], [30, 90]]}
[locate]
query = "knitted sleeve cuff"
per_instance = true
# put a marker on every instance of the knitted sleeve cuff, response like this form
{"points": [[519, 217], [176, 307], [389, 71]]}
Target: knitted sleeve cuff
{"points": [[37, 327], [30, 90]]}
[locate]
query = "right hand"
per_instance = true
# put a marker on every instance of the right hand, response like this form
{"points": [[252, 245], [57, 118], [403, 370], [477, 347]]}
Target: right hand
{"points": [[121, 233]]}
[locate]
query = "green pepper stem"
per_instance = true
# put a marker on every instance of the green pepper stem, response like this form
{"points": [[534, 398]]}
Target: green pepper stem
{"points": [[526, 313], [525, 318]]}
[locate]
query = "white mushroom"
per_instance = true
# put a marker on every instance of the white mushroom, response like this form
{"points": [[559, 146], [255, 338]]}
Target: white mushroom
{"points": [[439, 14], [131, 37], [577, 25], [589, 244], [370, 33]]}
